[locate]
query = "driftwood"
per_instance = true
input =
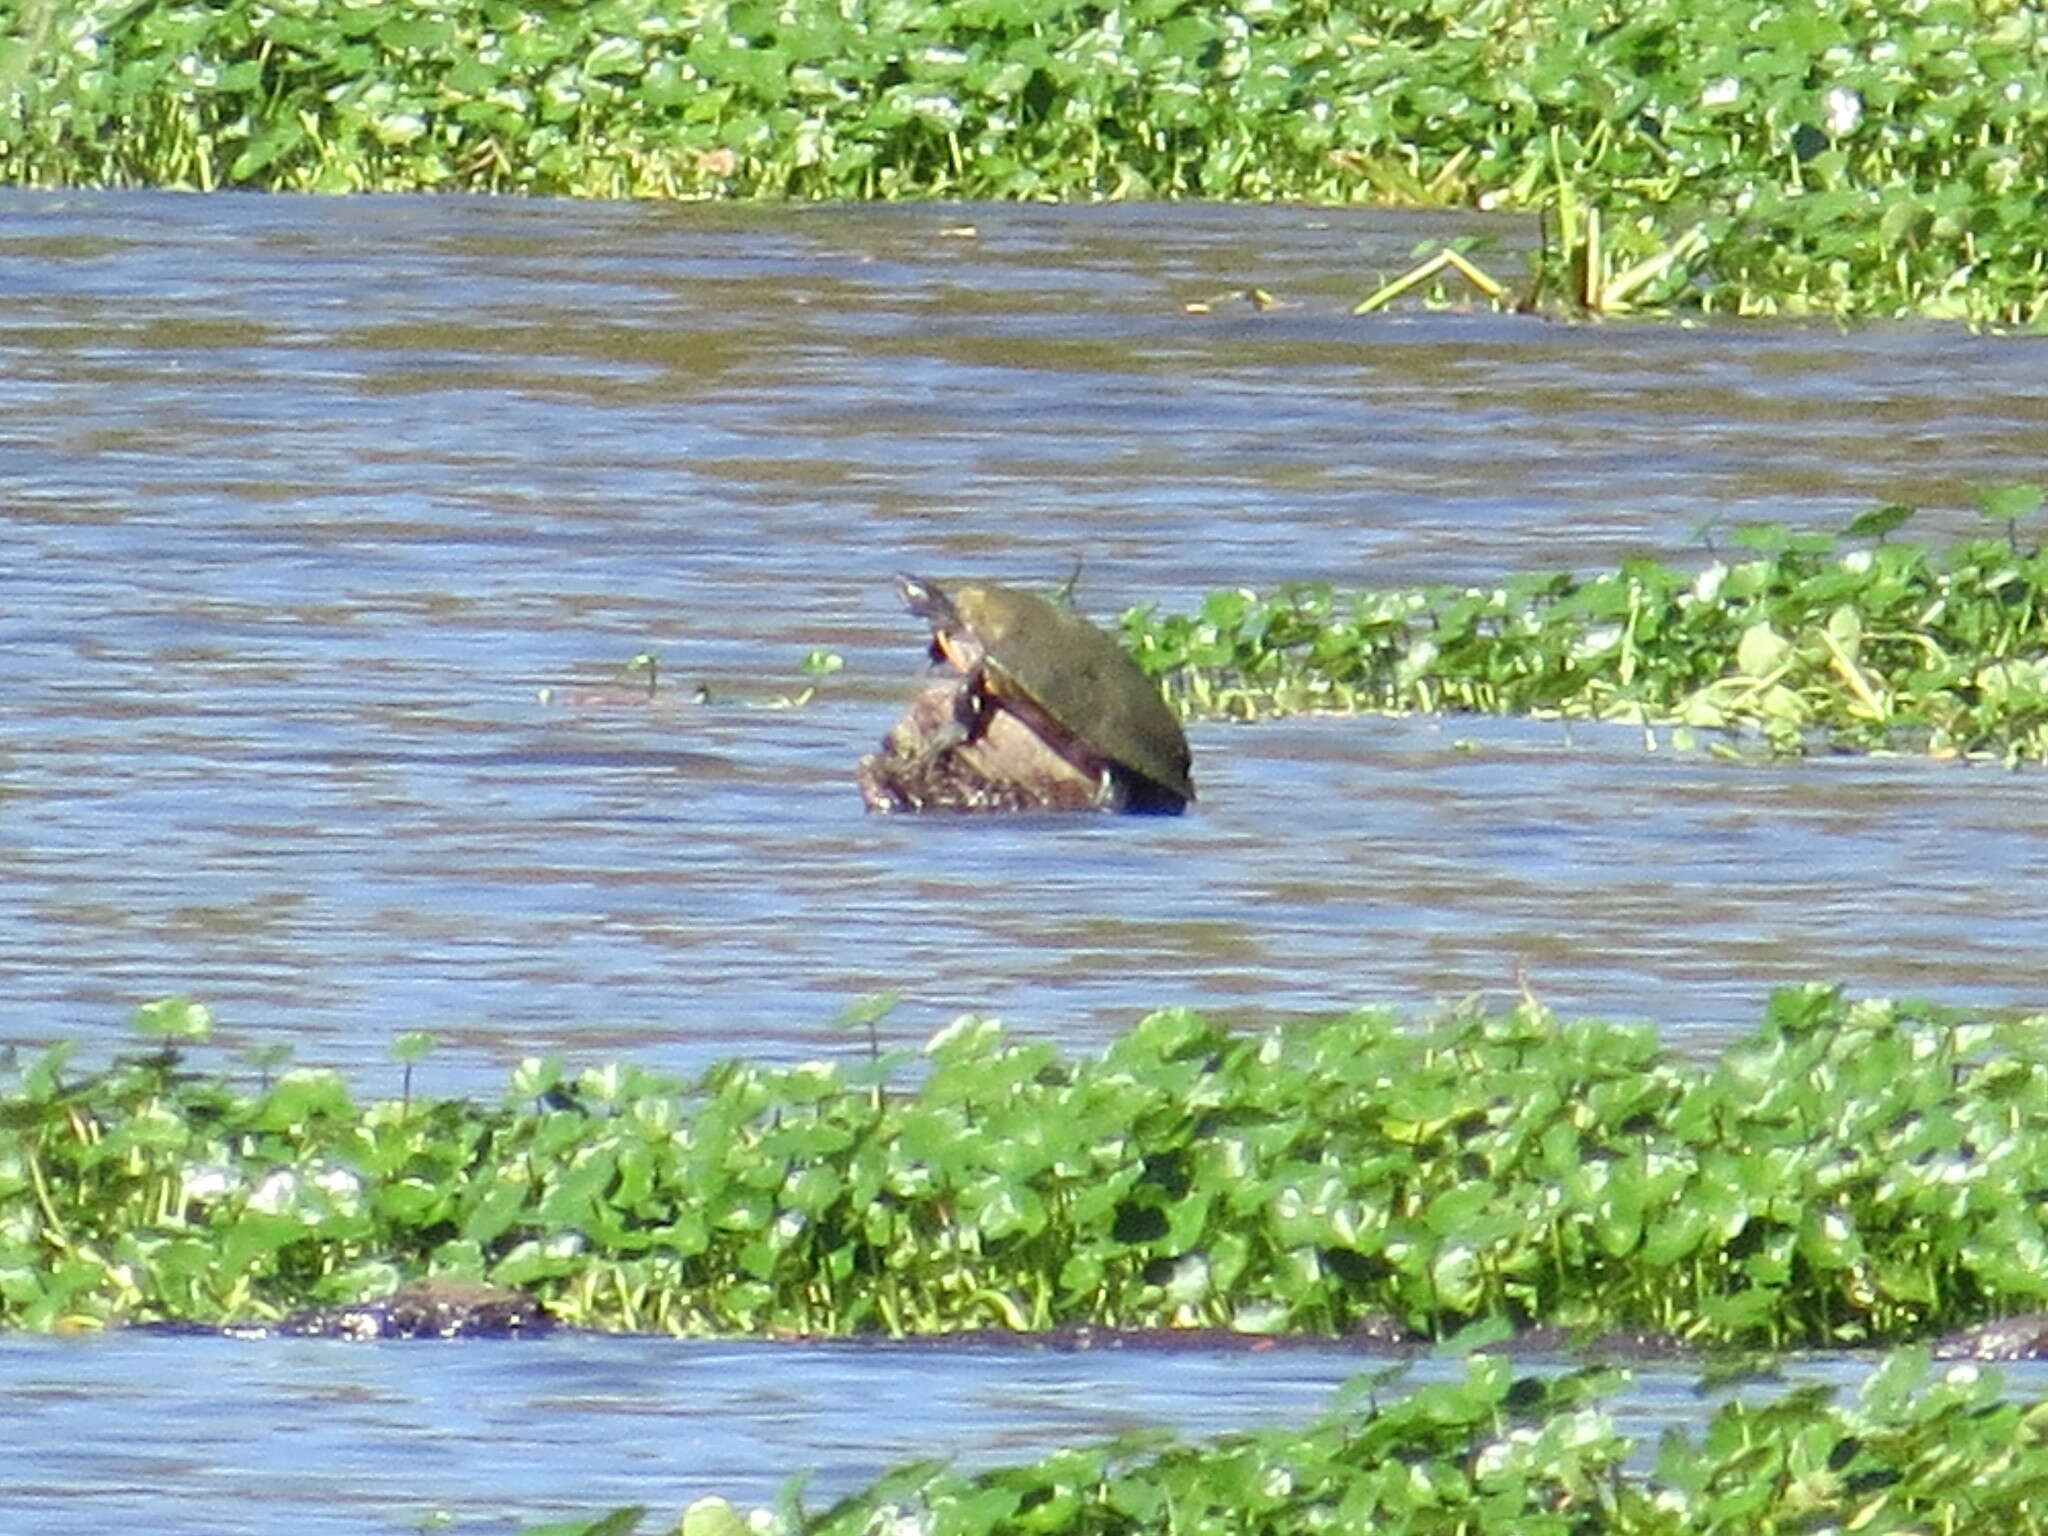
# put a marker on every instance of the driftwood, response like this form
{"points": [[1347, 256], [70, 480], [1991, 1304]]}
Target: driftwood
{"points": [[434, 1308]]}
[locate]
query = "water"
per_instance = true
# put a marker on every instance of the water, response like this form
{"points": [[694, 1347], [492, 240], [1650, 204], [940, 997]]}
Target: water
{"points": [[331, 525], [332, 1439], [309, 503]]}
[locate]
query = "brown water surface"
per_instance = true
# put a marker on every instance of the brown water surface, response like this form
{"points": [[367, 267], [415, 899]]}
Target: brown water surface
{"points": [[331, 523]]}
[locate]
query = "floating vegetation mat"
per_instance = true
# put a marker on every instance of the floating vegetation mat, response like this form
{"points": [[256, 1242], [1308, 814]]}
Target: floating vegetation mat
{"points": [[1854, 1173], [1794, 644], [1496, 1454]]}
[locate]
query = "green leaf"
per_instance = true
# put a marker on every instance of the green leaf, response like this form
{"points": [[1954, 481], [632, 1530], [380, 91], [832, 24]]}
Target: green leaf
{"points": [[714, 1517], [1879, 521], [2010, 503], [616, 56], [173, 1018], [866, 1012], [536, 1076], [1761, 651]]}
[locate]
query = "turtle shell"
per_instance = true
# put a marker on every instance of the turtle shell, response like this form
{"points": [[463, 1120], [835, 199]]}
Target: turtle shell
{"points": [[1046, 661]]}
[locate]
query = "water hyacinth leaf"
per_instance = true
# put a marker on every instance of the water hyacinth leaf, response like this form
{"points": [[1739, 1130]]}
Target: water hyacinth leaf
{"points": [[1300, 1213], [417, 33], [250, 1244], [1678, 1234], [412, 1203], [1828, 1240], [1170, 1034], [174, 1018], [2009, 503], [1458, 1282], [966, 1041], [1618, 1216], [615, 56], [1457, 1210], [2009, 1260], [806, 1141], [276, 141], [1083, 1275], [1890, 1389], [304, 1097], [1225, 611], [536, 1076], [813, 1191], [1878, 522], [2014, 684], [1762, 651], [491, 1214], [713, 1517], [686, 1236], [571, 1198]]}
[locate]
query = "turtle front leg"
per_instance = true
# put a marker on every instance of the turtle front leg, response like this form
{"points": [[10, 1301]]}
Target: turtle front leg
{"points": [[971, 705]]}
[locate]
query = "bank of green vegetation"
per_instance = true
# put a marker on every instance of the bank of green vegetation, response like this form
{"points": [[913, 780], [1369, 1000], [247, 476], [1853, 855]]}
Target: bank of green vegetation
{"points": [[1787, 642], [1499, 1454], [1854, 1173], [1881, 157]]}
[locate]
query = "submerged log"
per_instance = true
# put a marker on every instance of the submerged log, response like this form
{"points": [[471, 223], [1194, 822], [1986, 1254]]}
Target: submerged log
{"points": [[434, 1308], [2024, 1337], [1003, 765]]}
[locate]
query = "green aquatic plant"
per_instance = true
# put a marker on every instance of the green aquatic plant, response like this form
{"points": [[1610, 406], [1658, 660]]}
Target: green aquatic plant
{"points": [[2007, 506], [1791, 641], [1844, 1176], [174, 1019], [1495, 1452], [646, 665], [1594, 285], [411, 1048], [863, 1015]]}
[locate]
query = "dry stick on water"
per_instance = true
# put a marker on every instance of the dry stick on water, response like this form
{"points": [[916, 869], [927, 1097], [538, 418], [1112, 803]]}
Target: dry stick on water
{"points": [[1416, 276]]}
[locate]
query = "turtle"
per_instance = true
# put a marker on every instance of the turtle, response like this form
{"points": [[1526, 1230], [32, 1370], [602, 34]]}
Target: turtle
{"points": [[1076, 689]]}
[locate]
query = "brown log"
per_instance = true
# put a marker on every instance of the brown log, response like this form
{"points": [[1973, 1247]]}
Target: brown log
{"points": [[1003, 765]]}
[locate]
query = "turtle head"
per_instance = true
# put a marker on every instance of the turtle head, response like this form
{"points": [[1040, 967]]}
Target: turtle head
{"points": [[953, 638], [926, 599]]}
